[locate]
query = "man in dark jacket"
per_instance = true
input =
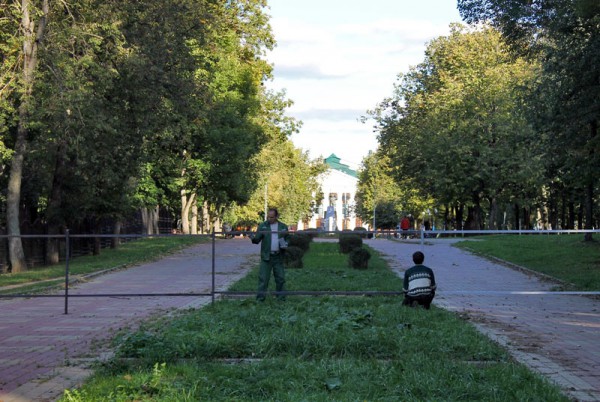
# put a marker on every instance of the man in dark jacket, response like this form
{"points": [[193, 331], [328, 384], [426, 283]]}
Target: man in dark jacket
{"points": [[419, 283], [273, 235]]}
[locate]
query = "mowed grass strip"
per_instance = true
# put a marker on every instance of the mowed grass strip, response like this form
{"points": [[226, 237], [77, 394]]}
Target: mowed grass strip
{"points": [[565, 257], [344, 348]]}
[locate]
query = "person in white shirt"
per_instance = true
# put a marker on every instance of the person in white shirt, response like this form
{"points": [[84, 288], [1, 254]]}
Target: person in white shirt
{"points": [[273, 235]]}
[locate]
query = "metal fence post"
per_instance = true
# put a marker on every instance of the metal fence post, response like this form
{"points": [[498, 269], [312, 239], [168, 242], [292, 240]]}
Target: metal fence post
{"points": [[67, 253], [212, 292]]}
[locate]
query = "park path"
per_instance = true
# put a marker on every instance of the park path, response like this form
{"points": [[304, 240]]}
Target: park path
{"points": [[557, 335], [43, 351]]}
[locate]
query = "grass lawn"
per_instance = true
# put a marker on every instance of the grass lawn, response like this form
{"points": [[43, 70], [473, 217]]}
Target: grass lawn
{"points": [[565, 257], [130, 253], [313, 348]]}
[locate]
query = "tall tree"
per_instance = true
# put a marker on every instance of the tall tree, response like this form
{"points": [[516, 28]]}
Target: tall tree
{"points": [[380, 195], [565, 35], [30, 33], [455, 126]]}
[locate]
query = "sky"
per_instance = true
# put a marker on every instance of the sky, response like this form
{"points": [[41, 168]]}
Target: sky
{"points": [[336, 59]]}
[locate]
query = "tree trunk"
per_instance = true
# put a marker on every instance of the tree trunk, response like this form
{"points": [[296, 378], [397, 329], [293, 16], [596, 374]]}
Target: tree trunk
{"points": [[205, 218], [154, 216], [186, 205], [589, 193], [571, 223], [149, 220], [194, 222], [54, 206], [97, 246], [13, 200], [116, 241], [446, 217], [526, 219], [589, 209], [493, 212], [144, 215], [474, 214], [460, 212], [31, 41]]}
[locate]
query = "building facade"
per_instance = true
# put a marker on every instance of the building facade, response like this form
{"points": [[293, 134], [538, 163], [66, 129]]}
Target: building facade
{"points": [[337, 209]]}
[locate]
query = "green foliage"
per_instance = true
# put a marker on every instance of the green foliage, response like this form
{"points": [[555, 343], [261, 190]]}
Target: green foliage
{"points": [[381, 193], [135, 104], [564, 37], [288, 181], [292, 257], [359, 258], [455, 129], [311, 233], [349, 241], [301, 240], [362, 232]]}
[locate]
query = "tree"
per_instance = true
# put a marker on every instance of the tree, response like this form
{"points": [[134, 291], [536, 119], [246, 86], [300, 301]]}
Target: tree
{"points": [[379, 193], [134, 104], [455, 126], [287, 181], [30, 34], [565, 36]]}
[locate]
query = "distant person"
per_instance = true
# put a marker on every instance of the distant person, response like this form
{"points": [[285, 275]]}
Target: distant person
{"points": [[404, 226], [419, 283], [273, 235]]}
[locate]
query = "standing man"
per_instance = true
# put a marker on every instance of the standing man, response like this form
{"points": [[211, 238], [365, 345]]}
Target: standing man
{"points": [[273, 235], [419, 283]]}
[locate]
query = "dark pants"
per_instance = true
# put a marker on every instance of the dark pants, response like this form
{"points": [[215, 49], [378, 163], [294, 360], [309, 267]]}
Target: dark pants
{"points": [[424, 301], [275, 264]]}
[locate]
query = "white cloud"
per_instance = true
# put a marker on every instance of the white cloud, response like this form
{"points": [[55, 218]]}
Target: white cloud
{"points": [[337, 59]]}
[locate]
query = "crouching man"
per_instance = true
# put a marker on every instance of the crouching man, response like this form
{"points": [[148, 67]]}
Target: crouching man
{"points": [[419, 283]]}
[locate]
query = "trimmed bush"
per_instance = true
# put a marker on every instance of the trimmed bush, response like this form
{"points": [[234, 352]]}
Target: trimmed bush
{"points": [[301, 240], [349, 241], [311, 232], [292, 258], [359, 258], [362, 232]]}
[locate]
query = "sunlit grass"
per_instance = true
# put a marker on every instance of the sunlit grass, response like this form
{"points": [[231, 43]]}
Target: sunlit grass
{"points": [[565, 257], [326, 270]]}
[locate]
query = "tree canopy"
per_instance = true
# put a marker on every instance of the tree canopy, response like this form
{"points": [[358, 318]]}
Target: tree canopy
{"points": [[130, 105]]}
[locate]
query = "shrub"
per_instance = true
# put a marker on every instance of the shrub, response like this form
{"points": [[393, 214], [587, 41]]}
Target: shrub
{"points": [[301, 240], [311, 232], [292, 258], [349, 241], [359, 258], [362, 232]]}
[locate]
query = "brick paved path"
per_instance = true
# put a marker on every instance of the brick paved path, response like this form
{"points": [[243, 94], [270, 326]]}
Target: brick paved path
{"points": [[556, 335], [43, 351]]}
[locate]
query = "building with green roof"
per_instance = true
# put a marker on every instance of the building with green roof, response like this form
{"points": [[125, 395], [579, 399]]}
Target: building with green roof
{"points": [[336, 212]]}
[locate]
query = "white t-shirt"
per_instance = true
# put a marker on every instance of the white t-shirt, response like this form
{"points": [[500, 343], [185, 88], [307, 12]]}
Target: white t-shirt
{"points": [[274, 237]]}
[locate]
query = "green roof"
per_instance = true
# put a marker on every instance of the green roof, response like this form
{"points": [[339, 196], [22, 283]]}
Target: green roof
{"points": [[334, 162]]}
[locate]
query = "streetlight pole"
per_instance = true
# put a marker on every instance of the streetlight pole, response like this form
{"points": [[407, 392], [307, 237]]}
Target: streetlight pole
{"points": [[266, 188], [374, 212]]}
